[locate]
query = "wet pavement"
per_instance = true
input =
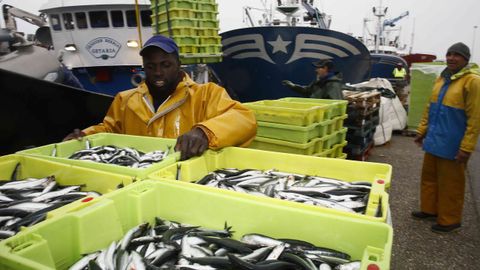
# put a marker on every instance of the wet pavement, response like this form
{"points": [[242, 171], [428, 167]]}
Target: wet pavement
{"points": [[414, 245]]}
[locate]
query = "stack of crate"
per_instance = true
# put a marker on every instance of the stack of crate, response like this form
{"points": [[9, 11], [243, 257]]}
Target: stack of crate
{"points": [[301, 126], [363, 118], [194, 26]]}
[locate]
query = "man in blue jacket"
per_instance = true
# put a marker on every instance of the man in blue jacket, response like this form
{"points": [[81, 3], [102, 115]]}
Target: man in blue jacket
{"points": [[448, 133]]}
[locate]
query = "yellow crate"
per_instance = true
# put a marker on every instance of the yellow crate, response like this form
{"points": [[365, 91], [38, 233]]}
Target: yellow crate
{"points": [[339, 107], [63, 150], [346, 170], [176, 13], [178, 4], [92, 226], [178, 31], [291, 113]]}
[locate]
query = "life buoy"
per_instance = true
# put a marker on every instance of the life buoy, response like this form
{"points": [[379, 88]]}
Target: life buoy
{"points": [[137, 79]]}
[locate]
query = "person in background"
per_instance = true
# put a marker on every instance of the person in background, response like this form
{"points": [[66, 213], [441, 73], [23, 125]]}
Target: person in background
{"points": [[448, 133], [170, 104], [399, 72], [327, 85]]}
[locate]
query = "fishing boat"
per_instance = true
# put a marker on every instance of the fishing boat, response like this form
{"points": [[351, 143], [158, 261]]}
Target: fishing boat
{"points": [[99, 40], [283, 46]]}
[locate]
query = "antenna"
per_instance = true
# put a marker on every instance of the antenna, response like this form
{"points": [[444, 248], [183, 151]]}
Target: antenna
{"points": [[412, 38]]}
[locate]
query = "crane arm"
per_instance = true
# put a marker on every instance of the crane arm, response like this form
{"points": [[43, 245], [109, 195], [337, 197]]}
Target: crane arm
{"points": [[392, 22], [10, 12]]}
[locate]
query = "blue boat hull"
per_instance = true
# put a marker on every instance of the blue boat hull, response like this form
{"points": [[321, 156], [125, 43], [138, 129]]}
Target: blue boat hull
{"points": [[257, 59]]}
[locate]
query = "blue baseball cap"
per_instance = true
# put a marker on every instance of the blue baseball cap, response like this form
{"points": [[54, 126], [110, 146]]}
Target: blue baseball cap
{"points": [[162, 42]]}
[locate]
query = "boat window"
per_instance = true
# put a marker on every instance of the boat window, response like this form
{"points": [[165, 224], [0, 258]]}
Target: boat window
{"points": [[68, 21], [55, 22], [98, 19], [146, 16], [81, 20], [117, 18], [131, 19]]}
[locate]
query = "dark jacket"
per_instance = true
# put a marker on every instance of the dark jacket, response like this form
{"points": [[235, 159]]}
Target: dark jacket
{"points": [[329, 87]]}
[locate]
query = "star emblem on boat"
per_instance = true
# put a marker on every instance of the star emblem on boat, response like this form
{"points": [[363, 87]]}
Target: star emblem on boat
{"points": [[279, 45]]}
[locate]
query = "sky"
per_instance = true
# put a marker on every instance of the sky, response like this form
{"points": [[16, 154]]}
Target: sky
{"points": [[433, 24]]}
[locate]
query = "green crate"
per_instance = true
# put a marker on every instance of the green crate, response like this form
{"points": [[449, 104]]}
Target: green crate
{"points": [[241, 158], [207, 32], [210, 49], [178, 31], [334, 138], [292, 133], [65, 174], [268, 144], [207, 16], [335, 152], [207, 7], [90, 226], [339, 107], [186, 41], [207, 24], [175, 13], [290, 113], [213, 40], [180, 4], [141, 143], [176, 23]]}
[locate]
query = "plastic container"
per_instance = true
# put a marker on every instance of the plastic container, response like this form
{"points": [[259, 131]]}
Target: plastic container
{"points": [[176, 13], [291, 113], [346, 170], [93, 225], [140, 143], [339, 107], [206, 32], [335, 152], [292, 133], [178, 31], [181, 4], [311, 147], [65, 174], [177, 23]]}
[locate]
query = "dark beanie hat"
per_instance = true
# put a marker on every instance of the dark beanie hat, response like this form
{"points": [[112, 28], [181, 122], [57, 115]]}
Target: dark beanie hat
{"points": [[461, 49]]}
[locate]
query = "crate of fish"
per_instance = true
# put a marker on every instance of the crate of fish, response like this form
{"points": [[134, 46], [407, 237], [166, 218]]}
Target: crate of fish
{"points": [[338, 107], [276, 175], [31, 187], [291, 113], [124, 154], [173, 225]]}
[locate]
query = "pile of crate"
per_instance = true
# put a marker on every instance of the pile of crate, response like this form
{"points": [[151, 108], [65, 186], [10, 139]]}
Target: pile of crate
{"points": [[363, 118], [301, 126], [194, 26]]}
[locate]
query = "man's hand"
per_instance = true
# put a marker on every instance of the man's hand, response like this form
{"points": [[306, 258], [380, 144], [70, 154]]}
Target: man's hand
{"points": [[76, 134], [462, 156], [419, 140], [192, 143], [288, 83]]}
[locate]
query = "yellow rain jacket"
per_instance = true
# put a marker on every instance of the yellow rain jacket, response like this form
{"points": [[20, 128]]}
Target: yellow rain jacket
{"points": [[207, 106]]}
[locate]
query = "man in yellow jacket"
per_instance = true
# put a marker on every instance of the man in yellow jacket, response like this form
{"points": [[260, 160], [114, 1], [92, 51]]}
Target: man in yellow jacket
{"points": [[448, 133], [170, 104]]}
